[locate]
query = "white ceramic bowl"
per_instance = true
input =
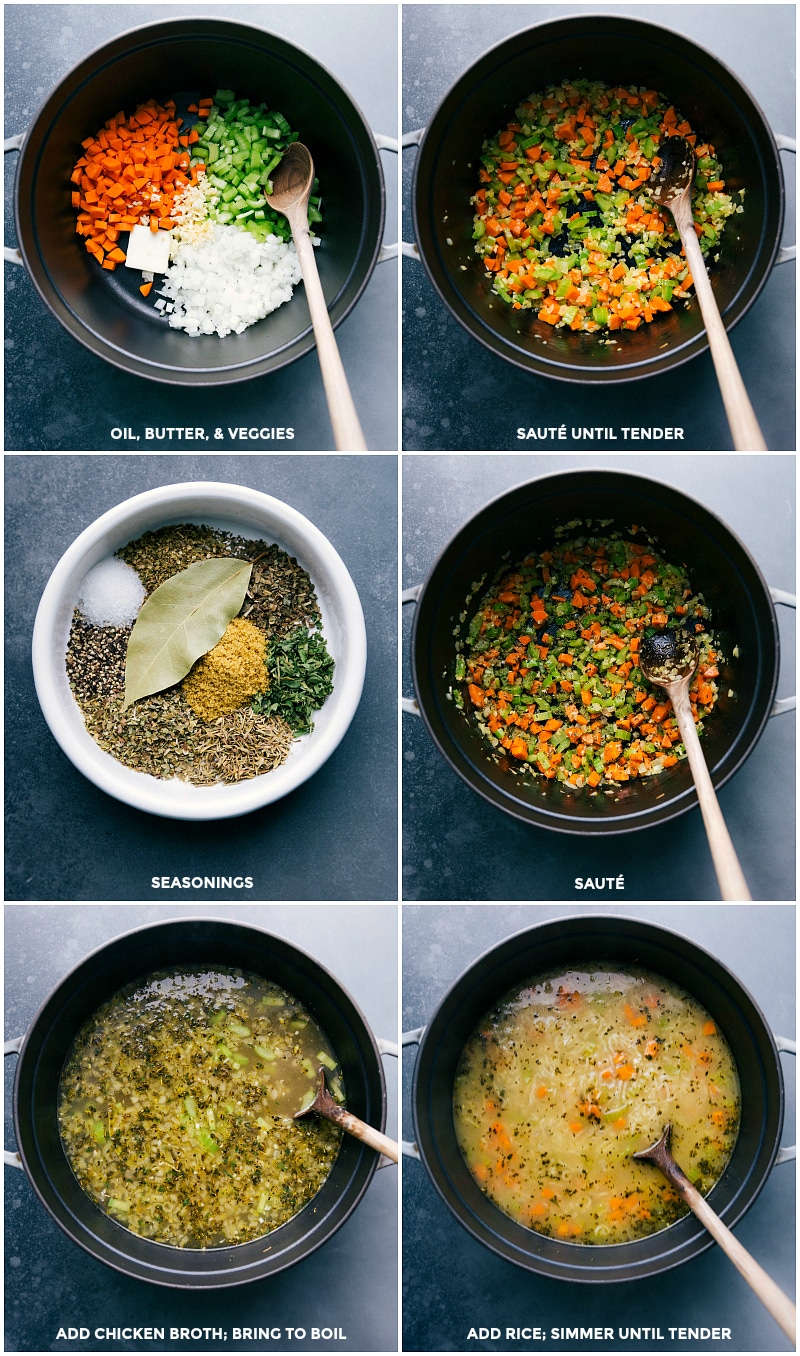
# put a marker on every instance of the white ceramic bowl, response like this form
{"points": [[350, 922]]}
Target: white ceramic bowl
{"points": [[234, 509]]}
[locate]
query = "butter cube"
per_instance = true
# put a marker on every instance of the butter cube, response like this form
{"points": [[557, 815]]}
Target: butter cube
{"points": [[148, 250]]}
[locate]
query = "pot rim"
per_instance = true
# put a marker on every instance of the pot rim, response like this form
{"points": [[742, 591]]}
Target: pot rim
{"points": [[642, 369], [687, 799], [103, 346], [140, 790], [700, 1240], [117, 1259]]}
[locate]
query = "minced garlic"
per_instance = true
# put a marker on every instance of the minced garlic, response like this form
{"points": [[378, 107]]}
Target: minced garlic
{"points": [[230, 674], [193, 224]]}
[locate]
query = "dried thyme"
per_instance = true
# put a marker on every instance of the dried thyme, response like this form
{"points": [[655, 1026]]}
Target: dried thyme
{"points": [[162, 736]]}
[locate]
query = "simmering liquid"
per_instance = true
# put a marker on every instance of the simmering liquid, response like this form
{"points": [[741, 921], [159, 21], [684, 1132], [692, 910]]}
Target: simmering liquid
{"points": [[176, 1106], [571, 1074]]}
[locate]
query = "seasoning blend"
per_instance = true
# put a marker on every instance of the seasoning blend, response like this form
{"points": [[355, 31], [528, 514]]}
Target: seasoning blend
{"points": [[237, 711]]}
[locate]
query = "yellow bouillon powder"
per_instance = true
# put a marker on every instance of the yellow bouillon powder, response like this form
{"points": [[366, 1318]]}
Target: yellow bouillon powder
{"points": [[230, 674]]}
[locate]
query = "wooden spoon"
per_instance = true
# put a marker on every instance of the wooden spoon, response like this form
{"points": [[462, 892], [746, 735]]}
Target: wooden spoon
{"points": [[669, 659], [672, 188], [291, 189], [324, 1105], [771, 1296]]}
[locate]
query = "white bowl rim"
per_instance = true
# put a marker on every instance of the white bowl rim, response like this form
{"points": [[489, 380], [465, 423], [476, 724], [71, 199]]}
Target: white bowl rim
{"points": [[219, 801]]}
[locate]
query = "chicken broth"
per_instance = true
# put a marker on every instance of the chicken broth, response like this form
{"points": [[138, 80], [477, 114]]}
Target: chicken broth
{"points": [[176, 1105], [567, 1077]]}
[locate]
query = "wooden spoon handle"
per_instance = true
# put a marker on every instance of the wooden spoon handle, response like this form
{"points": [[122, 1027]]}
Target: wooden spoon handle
{"points": [[368, 1134], [745, 429], [347, 432], [730, 876], [770, 1294]]}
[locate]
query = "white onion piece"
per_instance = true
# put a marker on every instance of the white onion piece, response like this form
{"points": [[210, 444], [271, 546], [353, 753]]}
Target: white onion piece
{"points": [[229, 281]]}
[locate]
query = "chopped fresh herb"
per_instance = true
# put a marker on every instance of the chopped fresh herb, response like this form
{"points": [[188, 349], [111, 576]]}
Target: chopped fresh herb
{"points": [[300, 669]]}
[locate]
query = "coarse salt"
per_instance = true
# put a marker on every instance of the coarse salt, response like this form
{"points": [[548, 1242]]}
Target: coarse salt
{"points": [[111, 594]]}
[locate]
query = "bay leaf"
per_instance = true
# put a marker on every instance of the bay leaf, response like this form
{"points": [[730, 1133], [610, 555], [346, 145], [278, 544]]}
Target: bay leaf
{"points": [[182, 620]]}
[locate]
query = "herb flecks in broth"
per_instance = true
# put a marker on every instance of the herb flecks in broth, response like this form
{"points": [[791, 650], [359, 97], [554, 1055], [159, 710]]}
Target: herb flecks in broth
{"points": [[176, 1106], [568, 1076]]}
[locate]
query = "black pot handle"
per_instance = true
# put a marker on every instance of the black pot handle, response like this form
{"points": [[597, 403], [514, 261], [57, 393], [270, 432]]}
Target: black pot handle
{"points": [[787, 1152], [784, 143], [786, 252], [385, 143], [387, 1048], [11, 1157], [779, 707], [10, 255], [783, 703], [409, 704], [408, 1146]]}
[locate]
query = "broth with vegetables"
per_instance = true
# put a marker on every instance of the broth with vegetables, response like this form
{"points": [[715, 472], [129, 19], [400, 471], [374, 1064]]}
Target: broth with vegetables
{"points": [[568, 1076], [176, 1105]]}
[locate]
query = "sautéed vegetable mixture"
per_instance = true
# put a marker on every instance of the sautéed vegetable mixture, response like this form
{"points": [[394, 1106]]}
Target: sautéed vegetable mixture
{"points": [[571, 1074], [549, 668], [176, 1106], [564, 220]]}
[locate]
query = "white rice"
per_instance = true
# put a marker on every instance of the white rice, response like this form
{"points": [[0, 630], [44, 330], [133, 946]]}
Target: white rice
{"points": [[224, 283]]}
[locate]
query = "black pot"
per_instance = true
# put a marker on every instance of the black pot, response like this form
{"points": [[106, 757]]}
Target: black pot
{"points": [[572, 941], [103, 309], [719, 565], [617, 51], [46, 1045]]}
